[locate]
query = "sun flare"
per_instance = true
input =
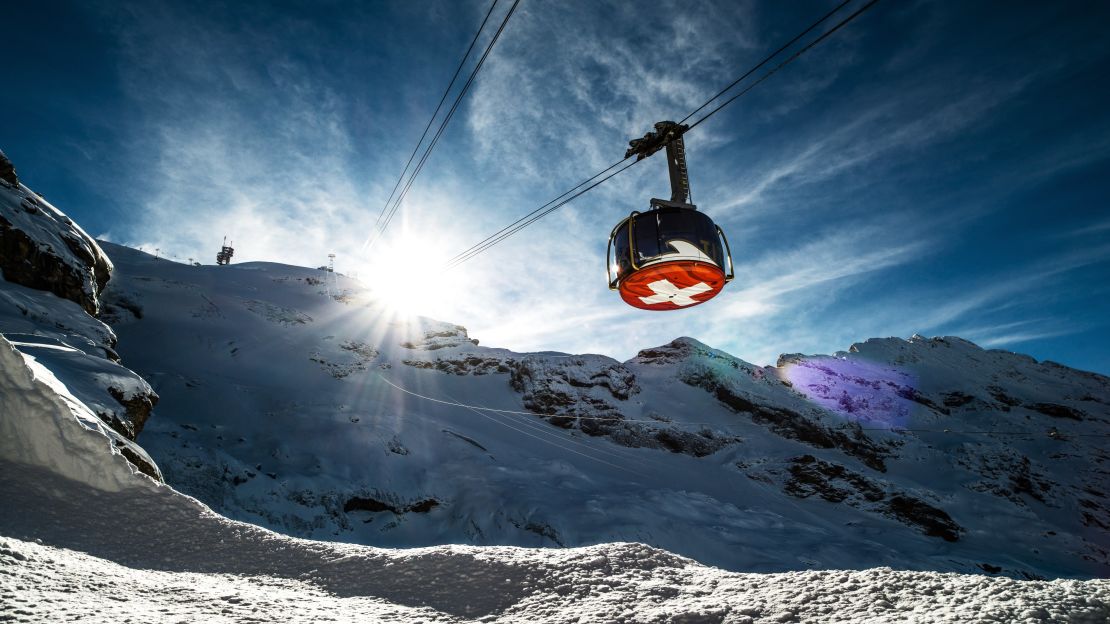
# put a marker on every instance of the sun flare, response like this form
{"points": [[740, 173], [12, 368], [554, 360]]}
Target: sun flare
{"points": [[408, 275]]}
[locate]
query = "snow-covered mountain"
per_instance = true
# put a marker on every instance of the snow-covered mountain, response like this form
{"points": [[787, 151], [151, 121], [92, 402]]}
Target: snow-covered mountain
{"points": [[294, 400]]}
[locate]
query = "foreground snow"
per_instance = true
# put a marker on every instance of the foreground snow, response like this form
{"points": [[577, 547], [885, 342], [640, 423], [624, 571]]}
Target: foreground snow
{"points": [[156, 555], [613, 583]]}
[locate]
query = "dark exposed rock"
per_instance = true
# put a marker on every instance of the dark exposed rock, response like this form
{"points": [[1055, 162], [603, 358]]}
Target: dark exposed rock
{"points": [[834, 483], [42, 248], [140, 462], [356, 359], [565, 390], [709, 370], [1000, 395], [358, 503], [932, 521], [1057, 411], [698, 444], [373, 505], [586, 393], [917, 397], [424, 506], [463, 365], [1007, 474], [810, 476], [957, 399], [397, 448], [1023, 481], [138, 409], [796, 426], [7, 170], [544, 530], [26, 262]]}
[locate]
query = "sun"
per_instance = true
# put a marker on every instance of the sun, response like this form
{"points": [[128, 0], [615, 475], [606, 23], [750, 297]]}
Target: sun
{"points": [[408, 274]]}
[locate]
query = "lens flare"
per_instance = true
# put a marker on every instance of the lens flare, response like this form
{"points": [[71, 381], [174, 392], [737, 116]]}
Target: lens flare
{"points": [[869, 393]]}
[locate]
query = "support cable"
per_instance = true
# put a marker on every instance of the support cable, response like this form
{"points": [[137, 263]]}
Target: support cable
{"points": [[1053, 433], [537, 214], [439, 106], [442, 127], [556, 203]]}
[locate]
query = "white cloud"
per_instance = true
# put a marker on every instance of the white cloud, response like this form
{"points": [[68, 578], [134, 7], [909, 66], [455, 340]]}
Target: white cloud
{"points": [[239, 137]]}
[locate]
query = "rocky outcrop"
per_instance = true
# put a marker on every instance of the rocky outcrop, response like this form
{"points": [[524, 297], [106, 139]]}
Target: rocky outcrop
{"points": [[353, 356], [750, 390], [137, 407], [834, 483], [374, 505], [1006, 473], [42, 248], [932, 521], [45, 255], [589, 393], [574, 391], [463, 364], [443, 337], [794, 425], [7, 171]]}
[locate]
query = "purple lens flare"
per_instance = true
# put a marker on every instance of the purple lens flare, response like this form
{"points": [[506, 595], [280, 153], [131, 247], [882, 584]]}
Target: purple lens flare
{"points": [[868, 393]]}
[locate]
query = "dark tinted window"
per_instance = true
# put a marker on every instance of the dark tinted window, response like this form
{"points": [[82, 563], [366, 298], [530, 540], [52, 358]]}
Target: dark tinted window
{"points": [[646, 230], [653, 229], [622, 256]]}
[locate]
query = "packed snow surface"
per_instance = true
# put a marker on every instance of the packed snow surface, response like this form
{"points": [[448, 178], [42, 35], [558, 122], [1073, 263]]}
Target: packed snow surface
{"points": [[147, 553]]}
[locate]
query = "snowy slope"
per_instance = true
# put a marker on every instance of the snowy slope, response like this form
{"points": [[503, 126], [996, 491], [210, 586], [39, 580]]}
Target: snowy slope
{"points": [[291, 399], [85, 537]]}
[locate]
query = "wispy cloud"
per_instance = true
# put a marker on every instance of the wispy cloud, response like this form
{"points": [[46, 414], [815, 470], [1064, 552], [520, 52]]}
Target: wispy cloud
{"points": [[256, 129]]}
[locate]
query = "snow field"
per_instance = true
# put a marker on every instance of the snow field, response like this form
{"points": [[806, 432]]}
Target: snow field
{"points": [[611, 583]]}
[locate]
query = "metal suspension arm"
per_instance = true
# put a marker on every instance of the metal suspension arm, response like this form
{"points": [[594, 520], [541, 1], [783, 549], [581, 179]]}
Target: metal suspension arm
{"points": [[667, 134], [676, 165]]}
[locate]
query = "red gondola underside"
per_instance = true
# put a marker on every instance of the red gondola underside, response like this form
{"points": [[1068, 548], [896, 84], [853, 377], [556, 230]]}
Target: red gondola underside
{"points": [[672, 285]]}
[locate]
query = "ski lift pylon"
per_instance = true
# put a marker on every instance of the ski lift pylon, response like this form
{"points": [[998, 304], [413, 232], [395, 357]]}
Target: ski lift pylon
{"points": [[672, 256]]}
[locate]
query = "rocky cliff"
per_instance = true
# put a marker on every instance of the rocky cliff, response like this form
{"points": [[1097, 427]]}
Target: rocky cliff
{"points": [[53, 274]]}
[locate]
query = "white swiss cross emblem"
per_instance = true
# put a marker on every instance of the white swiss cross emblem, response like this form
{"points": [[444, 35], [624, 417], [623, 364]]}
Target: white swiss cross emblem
{"points": [[666, 291]]}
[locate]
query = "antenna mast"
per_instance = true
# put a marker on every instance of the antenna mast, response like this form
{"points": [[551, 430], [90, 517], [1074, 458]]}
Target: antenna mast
{"points": [[226, 252]]}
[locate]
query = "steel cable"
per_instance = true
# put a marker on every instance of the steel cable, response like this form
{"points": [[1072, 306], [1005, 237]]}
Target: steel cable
{"points": [[439, 132], [545, 210], [439, 106]]}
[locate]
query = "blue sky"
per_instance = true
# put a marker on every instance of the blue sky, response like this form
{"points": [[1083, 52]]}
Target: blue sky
{"points": [[934, 168]]}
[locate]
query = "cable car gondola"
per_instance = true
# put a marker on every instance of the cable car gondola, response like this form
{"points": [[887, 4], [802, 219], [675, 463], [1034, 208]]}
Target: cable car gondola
{"points": [[672, 256]]}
